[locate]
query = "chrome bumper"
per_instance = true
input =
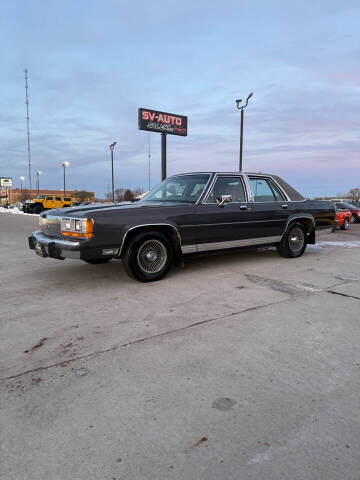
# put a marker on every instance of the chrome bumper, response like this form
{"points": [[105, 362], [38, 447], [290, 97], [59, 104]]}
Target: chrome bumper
{"points": [[54, 248]]}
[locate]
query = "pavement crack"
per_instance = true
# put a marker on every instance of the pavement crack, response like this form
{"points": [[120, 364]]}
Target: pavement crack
{"points": [[342, 294], [140, 340]]}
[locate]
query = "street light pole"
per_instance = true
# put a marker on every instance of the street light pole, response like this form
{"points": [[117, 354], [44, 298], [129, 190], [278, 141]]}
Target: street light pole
{"points": [[241, 108], [112, 169], [38, 173], [65, 164], [21, 187]]}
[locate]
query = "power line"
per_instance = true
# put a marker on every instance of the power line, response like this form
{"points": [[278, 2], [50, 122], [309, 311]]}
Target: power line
{"points": [[28, 124]]}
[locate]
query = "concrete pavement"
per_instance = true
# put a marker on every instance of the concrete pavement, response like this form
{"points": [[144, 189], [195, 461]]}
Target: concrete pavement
{"points": [[240, 365]]}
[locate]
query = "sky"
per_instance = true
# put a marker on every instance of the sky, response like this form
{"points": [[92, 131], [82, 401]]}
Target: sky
{"points": [[92, 64]]}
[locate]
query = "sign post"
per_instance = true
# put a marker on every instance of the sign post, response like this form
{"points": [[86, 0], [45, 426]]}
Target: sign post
{"points": [[6, 182], [164, 123]]}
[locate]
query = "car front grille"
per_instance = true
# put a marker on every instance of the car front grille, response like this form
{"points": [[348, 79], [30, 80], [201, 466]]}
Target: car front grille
{"points": [[51, 226]]}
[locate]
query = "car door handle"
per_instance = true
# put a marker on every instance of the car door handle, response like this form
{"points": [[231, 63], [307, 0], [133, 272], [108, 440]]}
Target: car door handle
{"points": [[284, 206], [243, 207]]}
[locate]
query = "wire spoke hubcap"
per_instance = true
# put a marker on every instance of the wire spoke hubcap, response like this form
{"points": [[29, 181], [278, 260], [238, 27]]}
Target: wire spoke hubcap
{"points": [[296, 240], [152, 256]]}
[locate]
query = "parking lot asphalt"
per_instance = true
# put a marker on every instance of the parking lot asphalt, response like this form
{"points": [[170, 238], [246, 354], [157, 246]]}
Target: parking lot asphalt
{"points": [[241, 365]]}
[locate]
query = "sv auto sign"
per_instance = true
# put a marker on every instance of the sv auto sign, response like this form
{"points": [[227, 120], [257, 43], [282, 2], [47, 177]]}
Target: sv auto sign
{"points": [[5, 182], [162, 122]]}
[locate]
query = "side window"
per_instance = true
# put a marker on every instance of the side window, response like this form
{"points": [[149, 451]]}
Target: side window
{"points": [[49, 198], [58, 199], [265, 191], [227, 186], [67, 199]]}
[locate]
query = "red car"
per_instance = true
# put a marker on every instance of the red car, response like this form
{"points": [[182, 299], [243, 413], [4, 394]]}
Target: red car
{"points": [[355, 211], [343, 216]]}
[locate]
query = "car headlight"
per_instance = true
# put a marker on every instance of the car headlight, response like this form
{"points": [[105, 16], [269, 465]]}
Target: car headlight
{"points": [[74, 227], [42, 221]]}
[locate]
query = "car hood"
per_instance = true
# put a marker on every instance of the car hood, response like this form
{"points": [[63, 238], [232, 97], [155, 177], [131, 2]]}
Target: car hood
{"points": [[88, 210]]}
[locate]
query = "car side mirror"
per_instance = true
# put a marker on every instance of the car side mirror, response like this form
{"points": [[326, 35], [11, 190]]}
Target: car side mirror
{"points": [[224, 199]]}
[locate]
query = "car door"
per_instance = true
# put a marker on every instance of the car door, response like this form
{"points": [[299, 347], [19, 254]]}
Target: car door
{"points": [[229, 225], [270, 207], [49, 202]]}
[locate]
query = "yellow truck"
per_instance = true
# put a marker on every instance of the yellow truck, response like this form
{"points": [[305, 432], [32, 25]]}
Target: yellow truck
{"points": [[46, 202]]}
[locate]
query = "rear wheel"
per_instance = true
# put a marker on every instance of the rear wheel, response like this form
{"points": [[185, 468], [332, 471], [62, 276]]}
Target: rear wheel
{"points": [[345, 225], [96, 261], [148, 256], [293, 244]]}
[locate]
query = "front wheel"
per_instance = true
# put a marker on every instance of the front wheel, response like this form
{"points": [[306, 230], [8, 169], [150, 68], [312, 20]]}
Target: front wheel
{"points": [[148, 257], [38, 209], [293, 244], [345, 225]]}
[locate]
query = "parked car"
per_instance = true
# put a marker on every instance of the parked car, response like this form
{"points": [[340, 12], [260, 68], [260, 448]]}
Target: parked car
{"points": [[343, 216], [186, 214], [355, 211], [46, 202]]}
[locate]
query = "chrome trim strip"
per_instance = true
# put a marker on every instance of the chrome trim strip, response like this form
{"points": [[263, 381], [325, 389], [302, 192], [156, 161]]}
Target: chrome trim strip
{"points": [[231, 223], [248, 188], [204, 191], [209, 189], [237, 243], [188, 249], [203, 247], [147, 225]]}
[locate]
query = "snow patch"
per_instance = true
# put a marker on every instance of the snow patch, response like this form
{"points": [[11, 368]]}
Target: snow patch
{"points": [[353, 244], [16, 211]]}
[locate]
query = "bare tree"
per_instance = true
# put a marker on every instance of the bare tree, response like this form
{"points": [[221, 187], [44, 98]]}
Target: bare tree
{"points": [[128, 196], [83, 196], [25, 195], [119, 194], [355, 194]]}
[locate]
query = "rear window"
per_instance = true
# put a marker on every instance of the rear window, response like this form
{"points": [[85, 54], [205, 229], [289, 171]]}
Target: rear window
{"points": [[264, 190]]}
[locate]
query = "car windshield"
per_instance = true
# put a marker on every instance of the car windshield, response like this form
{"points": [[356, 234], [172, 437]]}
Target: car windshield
{"points": [[180, 188], [40, 196], [341, 206]]}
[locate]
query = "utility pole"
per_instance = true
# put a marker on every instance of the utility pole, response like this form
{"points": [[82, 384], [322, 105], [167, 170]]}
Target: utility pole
{"points": [[27, 123], [241, 108], [112, 169], [149, 157], [163, 155]]}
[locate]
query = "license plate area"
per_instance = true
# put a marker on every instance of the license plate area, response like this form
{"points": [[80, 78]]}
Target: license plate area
{"points": [[40, 250]]}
